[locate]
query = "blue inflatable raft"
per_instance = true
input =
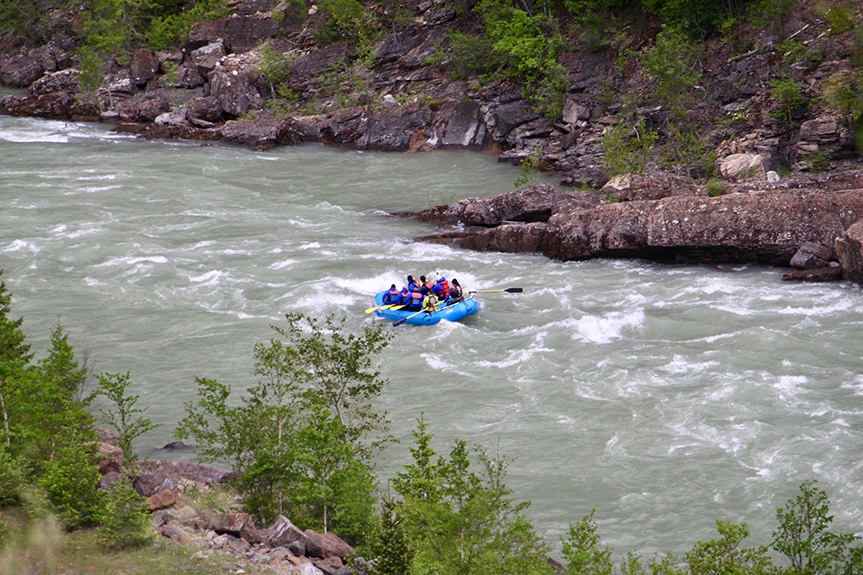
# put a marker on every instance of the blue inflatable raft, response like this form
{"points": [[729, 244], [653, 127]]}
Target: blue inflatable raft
{"points": [[455, 312]]}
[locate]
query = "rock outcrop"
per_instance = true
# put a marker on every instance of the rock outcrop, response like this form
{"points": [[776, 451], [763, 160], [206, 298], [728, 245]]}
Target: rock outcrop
{"points": [[772, 227]]}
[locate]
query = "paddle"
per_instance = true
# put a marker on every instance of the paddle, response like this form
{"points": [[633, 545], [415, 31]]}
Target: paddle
{"points": [[510, 290], [382, 307], [401, 321]]}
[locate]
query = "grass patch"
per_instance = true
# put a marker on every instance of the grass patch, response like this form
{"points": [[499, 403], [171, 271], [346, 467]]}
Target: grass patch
{"points": [[40, 547]]}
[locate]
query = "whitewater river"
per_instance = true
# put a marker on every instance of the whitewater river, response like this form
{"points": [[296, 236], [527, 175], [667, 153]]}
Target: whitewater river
{"points": [[664, 397]]}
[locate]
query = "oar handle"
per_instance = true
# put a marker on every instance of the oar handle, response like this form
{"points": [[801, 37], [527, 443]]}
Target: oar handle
{"points": [[509, 290], [401, 321]]}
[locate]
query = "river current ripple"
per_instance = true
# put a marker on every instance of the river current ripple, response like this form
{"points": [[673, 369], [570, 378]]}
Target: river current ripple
{"points": [[664, 397]]}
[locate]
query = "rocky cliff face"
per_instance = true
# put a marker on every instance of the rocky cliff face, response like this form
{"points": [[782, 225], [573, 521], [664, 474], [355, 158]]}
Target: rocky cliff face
{"points": [[394, 99], [220, 86]]}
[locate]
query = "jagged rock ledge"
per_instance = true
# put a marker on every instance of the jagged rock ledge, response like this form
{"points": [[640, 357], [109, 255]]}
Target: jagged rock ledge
{"points": [[811, 222]]}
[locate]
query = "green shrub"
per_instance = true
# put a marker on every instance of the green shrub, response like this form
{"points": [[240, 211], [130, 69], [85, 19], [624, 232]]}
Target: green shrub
{"points": [[803, 536], [789, 96], [715, 188], [840, 18], [672, 62], [124, 520], [69, 481], [12, 479], [843, 91], [627, 148]]}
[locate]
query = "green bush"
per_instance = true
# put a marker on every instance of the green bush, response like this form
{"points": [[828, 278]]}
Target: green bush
{"points": [[69, 480], [12, 479], [715, 188], [125, 519], [789, 96], [804, 537], [840, 18], [672, 62], [627, 148]]}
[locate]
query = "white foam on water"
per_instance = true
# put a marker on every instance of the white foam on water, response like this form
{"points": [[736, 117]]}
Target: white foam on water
{"points": [[310, 246], [59, 229], [841, 305], [209, 278], [606, 328], [94, 189], [282, 264], [789, 386], [130, 260], [22, 245]]}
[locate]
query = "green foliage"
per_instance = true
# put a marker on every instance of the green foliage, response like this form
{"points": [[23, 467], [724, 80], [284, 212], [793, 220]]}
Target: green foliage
{"points": [[12, 479], [672, 62], [347, 20], [125, 519], [391, 547], [771, 14], [840, 17], [471, 55], [788, 95], [529, 169], [627, 148], [462, 522], [167, 29], [715, 188], [581, 549], [69, 481], [302, 439], [843, 91], [803, 536], [127, 419], [722, 556]]}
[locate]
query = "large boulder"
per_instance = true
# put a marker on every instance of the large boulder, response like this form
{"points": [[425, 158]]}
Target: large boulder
{"points": [[764, 227], [282, 533], [234, 93], [741, 165], [324, 545], [20, 70], [237, 524], [143, 66], [531, 204], [391, 129], [260, 134], [849, 248], [458, 124]]}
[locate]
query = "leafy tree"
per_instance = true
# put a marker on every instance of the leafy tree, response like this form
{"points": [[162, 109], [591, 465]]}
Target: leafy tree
{"points": [[672, 62], [581, 550], [722, 556], [301, 440], [803, 536], [125, 519], [391, 547], [15, 355], [124, 416], [462, 522]]}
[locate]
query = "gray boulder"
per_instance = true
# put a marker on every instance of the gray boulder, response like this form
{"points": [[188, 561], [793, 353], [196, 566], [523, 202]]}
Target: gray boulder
{"points": [[849, 248]]}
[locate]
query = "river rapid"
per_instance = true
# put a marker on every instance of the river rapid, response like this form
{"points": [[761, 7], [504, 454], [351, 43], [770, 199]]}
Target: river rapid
{"points": [[664, 397]]}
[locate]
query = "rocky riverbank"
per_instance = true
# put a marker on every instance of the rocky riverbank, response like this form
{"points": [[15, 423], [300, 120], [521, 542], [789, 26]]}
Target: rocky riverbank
{"points": [[811, 223], [281, 548]]}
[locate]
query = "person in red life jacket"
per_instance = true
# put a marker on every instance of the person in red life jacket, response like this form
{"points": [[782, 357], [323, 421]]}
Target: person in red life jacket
{"points": [[441, 288], [455, 292], [424, 288], [392, 296], [414, 301]]}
